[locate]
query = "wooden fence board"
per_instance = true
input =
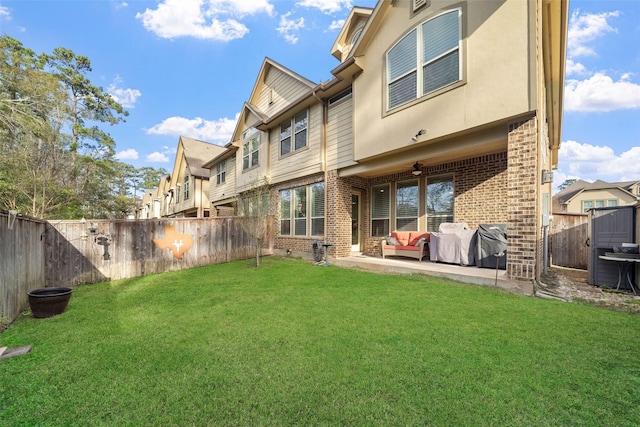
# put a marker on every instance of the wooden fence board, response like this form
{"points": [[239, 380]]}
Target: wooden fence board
{"points": [[569, 232], [22, 264]]}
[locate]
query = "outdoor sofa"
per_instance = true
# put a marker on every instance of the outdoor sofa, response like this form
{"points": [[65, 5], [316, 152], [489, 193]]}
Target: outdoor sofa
{"points": [[413, 244]]}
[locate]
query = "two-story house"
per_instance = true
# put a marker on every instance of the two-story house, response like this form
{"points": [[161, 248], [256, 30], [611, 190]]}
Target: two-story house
{"points": [[439, 111], [185, 192], [581, 196]]}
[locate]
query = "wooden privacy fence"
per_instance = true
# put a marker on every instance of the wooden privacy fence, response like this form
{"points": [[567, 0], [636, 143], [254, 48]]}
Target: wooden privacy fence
{"points": [[569, 232], [36, 254], [93, 251], [21, 264]]}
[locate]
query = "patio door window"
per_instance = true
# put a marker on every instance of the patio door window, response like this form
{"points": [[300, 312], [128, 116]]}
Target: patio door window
{"points": [[407, 205], [380, 210], [440, 200]]}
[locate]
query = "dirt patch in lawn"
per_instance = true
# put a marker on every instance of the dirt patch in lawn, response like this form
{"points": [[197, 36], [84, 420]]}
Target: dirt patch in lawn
{"points": [[571, 285]]}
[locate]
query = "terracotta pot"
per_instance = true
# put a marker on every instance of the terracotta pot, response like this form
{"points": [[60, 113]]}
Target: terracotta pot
{"points": [[47, 302]]}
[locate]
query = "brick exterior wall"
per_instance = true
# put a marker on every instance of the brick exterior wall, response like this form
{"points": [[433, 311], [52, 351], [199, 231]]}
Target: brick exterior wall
{"points": [[297, 244], [522, 187], [338, 212]]}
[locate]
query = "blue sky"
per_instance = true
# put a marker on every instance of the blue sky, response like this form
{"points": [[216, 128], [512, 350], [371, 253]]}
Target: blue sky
{"points": [[185, 67]]}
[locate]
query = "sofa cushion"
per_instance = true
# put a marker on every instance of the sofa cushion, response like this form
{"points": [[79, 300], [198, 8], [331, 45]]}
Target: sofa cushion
{"points": [[402, 237], [392, 241], [415, 236]]}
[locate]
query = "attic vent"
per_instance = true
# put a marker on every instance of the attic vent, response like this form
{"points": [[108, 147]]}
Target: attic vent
{"points": [[417, 4]]}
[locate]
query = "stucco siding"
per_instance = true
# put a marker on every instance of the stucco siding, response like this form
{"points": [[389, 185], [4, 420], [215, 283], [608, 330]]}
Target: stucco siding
{"points": [[496, 78]]}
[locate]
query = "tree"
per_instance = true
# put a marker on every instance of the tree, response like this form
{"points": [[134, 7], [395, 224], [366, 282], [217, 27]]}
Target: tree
{"points": [[566, 183], [87, 103], [254, 213]]}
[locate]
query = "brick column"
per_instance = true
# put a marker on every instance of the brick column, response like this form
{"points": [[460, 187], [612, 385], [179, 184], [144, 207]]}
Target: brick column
{"points": [[522, 199], [338, 215]]}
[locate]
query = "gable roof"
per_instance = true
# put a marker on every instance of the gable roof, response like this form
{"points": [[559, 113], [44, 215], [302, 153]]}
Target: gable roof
{"points": [[356, 15], [581, 186], [197, 153], [267, 65]]}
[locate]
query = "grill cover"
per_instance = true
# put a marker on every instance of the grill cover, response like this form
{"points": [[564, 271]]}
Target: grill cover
{"points": [[492, 239]]}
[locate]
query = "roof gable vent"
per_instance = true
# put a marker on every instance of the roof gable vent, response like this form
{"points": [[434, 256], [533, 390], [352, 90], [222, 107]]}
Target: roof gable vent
{"points": [[418, 4]]}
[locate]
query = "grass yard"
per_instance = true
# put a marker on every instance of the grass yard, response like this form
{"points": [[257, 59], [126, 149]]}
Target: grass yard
{"points": [[293, 343]]}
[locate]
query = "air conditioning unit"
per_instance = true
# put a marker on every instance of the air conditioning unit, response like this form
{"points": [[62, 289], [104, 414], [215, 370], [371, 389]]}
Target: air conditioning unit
{"points": [[547, 176]]}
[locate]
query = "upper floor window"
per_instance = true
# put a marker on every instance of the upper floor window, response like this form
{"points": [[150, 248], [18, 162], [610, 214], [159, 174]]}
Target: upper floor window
{"points": [[295, 129], [425, 60], [586, 205], [185, 188], [221, 172], [250, 148], [612, 203]]}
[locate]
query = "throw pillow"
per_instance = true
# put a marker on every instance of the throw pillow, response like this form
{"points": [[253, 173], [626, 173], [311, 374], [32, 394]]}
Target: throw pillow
{"points": [[392, 241], [420, 240]]}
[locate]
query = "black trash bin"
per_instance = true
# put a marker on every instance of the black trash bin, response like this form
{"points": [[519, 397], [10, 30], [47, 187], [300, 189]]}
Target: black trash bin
{"points": [[492, 239]]}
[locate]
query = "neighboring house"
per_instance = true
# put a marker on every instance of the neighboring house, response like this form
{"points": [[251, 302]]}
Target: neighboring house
{"points": [[185, 191], [439, 111], [151, 204], [581, 196]]}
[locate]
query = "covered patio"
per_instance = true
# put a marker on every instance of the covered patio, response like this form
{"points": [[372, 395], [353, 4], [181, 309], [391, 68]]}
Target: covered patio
{"points": [[467, 274]]}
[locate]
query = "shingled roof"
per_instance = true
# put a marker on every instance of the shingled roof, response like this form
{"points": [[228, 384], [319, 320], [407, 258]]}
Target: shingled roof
{"points": [[198, 153]]}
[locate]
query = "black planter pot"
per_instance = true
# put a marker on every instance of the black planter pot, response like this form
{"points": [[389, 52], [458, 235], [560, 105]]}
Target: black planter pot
{"points": [[47, 302]]}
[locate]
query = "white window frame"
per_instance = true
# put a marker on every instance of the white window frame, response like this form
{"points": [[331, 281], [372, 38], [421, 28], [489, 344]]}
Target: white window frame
{"points": [[221, 172], [250, 149], [586, 205], [375, 190], [439, 217], [298, 219], [187, 184], [421, 63], [398, 210], [291, 133]]}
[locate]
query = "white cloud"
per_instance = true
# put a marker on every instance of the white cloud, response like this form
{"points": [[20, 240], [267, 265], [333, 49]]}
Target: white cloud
{"points": [[128, 154], [591, 162], [157, 157], [198, 128], [124, 96], [120, 4], [584, 29], [336, 25], [326, 6], [601, 93], [5, 14], [573, 68], [202, 19], [289, 28]]}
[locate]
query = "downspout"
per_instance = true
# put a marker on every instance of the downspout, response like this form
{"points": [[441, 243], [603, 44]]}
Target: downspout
{"points": [[323, 159]]}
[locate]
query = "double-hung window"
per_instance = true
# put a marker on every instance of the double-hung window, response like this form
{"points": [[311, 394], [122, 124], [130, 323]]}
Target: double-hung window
{"points": [[221, 172], [407, 205], [250, 148], [294, 130], [185, 189], [440, 199], [302, 210], [425, 60], [380, 210]]}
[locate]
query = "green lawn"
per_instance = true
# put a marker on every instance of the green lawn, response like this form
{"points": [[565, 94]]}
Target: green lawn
{"points": [[293, 343]]}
